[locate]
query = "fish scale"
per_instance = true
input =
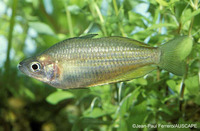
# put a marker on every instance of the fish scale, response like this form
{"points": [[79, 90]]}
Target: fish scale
{"points": [[86, 57], [86, 61]]}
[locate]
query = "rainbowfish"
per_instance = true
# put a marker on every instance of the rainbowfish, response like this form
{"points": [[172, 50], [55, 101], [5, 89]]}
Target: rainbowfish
{"points": [[86, 61]]}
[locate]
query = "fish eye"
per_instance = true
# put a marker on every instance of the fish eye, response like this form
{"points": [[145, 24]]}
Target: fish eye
{"points": [[35, 66]]}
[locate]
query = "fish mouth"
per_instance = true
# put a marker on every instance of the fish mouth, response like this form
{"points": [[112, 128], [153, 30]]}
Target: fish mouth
{"points": [[22, 68]]}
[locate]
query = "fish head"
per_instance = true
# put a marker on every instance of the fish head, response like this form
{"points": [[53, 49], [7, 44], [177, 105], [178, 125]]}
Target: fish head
{"points": [[42, 68]]}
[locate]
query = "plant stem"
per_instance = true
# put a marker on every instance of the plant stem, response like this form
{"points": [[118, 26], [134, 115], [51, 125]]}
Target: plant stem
{"points": [[99, 12], [69, 21], [10, 36], [119, 91], [119, 23], [195, 7], [190, 28], [160, 31], [199, 73], [100, 17], [115, 7], [182, 89]]}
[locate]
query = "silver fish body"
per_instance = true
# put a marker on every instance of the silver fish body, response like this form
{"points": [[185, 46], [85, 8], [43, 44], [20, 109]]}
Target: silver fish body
{"points": [[85, 62]]}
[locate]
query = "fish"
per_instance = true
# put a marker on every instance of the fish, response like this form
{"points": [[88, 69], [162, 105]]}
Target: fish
{"points": [[86, 61]]}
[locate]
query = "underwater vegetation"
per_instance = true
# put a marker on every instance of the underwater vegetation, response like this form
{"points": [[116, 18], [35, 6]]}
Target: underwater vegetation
{"points": [[30, 27]]}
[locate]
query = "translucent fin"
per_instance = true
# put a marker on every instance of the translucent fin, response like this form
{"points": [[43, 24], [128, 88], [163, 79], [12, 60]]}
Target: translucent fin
{"points": [[173, 54], [135, 42], [82, 37], [87, 36], [127, 76], [134, 74]]}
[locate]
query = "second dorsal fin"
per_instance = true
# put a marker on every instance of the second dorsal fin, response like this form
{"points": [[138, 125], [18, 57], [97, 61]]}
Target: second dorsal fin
{"points": [[87, 36], [81, 37]]}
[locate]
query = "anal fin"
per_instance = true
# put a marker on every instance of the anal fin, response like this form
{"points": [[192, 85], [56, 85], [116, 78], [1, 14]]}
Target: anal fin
{"points": [[127, 76], [134, 74]]}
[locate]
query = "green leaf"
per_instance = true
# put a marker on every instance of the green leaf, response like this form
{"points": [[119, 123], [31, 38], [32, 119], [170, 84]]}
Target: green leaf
{"points": [[155, 26], [192, 85], [197, 99], [127, 102], [86, 122], [36, 3], [140, 81], [58, 96], [94, 113], [162, 2], [74, 9], [189, 17], [41, 28], [123, 125], [172, 85], [29, 93], [138, 114]]}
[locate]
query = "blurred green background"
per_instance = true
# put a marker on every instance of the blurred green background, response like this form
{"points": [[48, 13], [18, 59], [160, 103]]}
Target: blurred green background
{"points": [[28, 27]]}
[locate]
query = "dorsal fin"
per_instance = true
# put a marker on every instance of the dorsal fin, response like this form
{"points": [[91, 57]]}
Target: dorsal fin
{"points": [[126, 39], [87, 36], [81, 37]]}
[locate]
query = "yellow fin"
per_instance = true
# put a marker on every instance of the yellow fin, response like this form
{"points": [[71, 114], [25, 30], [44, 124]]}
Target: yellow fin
{"points": [[127, 76], [133, 74]]}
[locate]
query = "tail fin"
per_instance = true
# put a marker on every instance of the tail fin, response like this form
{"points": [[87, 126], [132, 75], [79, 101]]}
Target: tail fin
{"points": [[173, 54]]}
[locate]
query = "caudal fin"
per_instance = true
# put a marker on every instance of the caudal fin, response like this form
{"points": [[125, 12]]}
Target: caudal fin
{"points": [[173, 54]]}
